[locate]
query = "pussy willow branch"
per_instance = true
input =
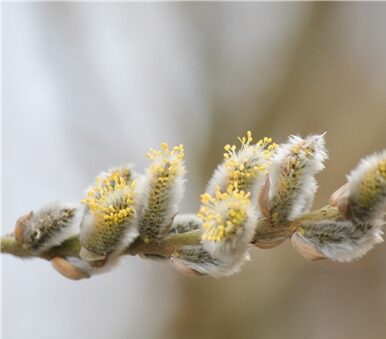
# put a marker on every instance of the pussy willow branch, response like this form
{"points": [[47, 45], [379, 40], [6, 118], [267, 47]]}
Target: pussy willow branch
{"points": [[265, 233]]}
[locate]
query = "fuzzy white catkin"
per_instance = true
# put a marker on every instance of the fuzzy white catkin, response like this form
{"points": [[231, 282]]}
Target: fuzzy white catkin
{"points": [[199, 260], [367, 190], [228, 227], [109, 225], [183, 223], [292, 182], [244, 169], [161, 191], [363, 199], [235, 244], [196, 260], [52, 225], [222, 177], [341, 241]]}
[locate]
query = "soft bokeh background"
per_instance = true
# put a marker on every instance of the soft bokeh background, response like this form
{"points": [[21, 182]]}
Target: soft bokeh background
{"points": [[87, 86]]}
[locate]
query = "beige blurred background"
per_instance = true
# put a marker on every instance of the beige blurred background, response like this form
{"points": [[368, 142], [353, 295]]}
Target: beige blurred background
{"points": [[87, 86]]}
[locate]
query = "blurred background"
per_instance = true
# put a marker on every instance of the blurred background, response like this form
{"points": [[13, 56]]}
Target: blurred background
{"points": [[91, 85]]}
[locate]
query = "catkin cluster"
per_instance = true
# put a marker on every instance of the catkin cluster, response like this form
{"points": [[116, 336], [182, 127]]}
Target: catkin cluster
{"points": [[255, 181]]}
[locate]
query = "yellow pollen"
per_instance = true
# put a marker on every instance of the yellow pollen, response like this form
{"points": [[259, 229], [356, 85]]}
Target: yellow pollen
{"points": [[223, 213], [110, 214]]}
